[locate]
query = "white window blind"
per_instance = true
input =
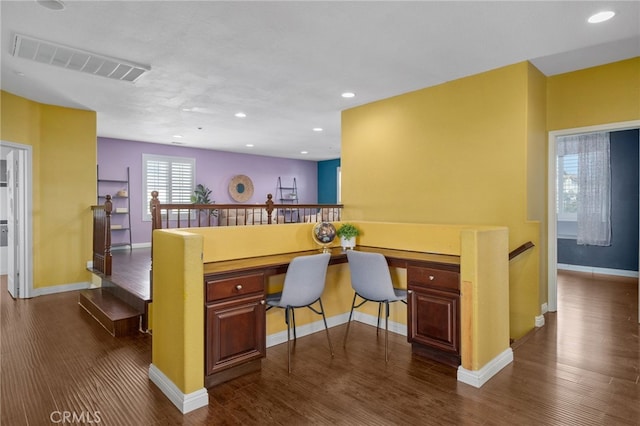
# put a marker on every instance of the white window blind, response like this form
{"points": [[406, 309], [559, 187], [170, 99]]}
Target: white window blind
{"points": [[567, 193], [172, 177]]}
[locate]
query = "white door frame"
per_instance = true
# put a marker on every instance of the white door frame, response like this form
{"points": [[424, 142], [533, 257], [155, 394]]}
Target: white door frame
{"points": [[552, 249], [26, 212]]}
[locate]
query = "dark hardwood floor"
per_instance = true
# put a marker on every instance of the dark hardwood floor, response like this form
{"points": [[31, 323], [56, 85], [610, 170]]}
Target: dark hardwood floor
{"points": [[581, 368], [131, 271]]}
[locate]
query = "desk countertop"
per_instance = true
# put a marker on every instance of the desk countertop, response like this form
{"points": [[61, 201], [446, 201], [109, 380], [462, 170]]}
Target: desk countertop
{"points": [[277, 263]]}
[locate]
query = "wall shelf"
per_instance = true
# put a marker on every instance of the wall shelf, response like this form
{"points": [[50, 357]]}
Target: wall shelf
{"points": [[287, 193], [119, 189]]}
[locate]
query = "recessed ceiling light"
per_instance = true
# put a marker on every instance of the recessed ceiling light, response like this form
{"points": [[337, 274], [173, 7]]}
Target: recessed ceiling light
{"points": [[304, 152], [177, 136], [348, 95], [317, 129], [177, 143], [241, 114], [51, 4], [601, 17], [249, 145]]}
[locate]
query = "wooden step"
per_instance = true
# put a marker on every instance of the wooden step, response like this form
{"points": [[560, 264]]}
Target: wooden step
{"points": [[115, 315]]}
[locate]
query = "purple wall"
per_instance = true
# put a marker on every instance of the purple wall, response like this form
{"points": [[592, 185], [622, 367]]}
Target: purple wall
{"points": [[214, 169]]}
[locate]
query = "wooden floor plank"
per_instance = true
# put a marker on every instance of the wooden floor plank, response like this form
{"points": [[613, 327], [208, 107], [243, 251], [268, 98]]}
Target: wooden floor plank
{"points": [[581, 368]]}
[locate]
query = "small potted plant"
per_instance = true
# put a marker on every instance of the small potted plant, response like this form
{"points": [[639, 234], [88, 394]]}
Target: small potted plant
{"points": [[348, 233], [201, 196]]}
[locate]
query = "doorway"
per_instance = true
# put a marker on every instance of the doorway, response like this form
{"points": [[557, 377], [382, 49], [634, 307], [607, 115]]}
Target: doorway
{"points": [[552, 260], [17, 211]]}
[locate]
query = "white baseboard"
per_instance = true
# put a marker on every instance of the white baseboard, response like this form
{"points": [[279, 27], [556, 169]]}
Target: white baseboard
{"points": [[477, 378], [185, 402], [394, 327], [539, 321], [314, 327], [140, 245], [595, 270], [43, 291]]}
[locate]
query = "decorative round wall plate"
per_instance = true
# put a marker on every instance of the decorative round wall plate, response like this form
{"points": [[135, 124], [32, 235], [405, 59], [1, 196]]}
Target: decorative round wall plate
{"points": [[241, 188]]}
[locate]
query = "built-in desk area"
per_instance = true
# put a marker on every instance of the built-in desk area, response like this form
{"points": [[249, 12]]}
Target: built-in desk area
{"points": [[235, 320], [208, 281]]}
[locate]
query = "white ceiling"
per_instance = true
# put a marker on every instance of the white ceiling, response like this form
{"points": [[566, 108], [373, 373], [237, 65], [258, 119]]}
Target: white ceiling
{"points": [[285, 64]]}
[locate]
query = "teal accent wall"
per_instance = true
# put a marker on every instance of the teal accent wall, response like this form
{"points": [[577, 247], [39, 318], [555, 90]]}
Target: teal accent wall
{"points": [[328, 181]]}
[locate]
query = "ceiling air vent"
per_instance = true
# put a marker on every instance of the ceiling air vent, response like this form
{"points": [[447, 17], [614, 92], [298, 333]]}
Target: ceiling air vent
{"points": [[75, 59]]}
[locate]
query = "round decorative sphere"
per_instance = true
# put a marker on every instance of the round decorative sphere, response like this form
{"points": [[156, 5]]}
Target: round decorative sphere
{"points": [[324, 233]]}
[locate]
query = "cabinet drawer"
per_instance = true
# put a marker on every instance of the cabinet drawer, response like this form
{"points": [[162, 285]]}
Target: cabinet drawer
{"points": [[234, 287], [433, 278]]}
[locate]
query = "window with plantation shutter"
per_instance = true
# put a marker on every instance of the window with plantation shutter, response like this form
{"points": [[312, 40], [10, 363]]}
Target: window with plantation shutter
{"points": [[172, 177]]}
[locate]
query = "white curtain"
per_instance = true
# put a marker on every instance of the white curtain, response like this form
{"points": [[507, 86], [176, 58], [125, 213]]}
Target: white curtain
{"points": [[594, 185]]}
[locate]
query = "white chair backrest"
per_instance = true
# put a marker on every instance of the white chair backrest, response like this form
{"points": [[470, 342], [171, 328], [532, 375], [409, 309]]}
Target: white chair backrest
{"points": [[370, 276], [305, 279]]}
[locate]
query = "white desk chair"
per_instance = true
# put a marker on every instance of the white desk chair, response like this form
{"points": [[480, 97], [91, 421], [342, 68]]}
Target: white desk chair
{"points": [[371, 281], [303, 285]]}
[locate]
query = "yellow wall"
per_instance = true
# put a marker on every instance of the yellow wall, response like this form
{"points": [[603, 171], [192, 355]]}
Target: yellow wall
{"points": [[459, 152], [474, 151], [63, 142], [599, 95], [484, 296], [536, 179], [178, 308]]}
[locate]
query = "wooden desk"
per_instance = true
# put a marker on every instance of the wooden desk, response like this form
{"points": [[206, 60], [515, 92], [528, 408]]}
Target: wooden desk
{"points": [[235, 312]]}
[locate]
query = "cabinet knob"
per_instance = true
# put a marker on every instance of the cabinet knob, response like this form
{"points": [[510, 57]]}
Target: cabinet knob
{"points": [[409, 291], [262, 302], [431, 277], [239, 287]]}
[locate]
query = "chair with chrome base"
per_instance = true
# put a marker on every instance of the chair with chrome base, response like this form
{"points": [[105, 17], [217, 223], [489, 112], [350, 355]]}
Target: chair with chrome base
{"points": [[303, 285], [371, 281]]}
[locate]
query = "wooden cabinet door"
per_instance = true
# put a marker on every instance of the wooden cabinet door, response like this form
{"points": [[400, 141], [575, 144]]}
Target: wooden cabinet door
{"points": [[433, 318], [235, 332]]}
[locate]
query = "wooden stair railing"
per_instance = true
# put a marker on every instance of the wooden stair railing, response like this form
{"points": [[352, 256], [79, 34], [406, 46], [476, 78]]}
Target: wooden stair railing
{"points": [[102, 236], [188, 215], [521, 249]]}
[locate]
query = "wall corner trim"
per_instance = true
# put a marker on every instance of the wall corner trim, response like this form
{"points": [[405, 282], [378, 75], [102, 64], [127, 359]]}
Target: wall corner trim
{"points": [[185, 402], [477, 378]]}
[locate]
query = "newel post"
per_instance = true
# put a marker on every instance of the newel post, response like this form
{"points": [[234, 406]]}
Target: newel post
{"points": [[269, 207], [156, 222], [108, 207]]}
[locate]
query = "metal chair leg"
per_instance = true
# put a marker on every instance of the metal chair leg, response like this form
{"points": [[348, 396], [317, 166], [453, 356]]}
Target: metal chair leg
{"points": [[386, 334], [344, 343], [379, 314], [286, 314], [293, 322], [326, 328]]}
